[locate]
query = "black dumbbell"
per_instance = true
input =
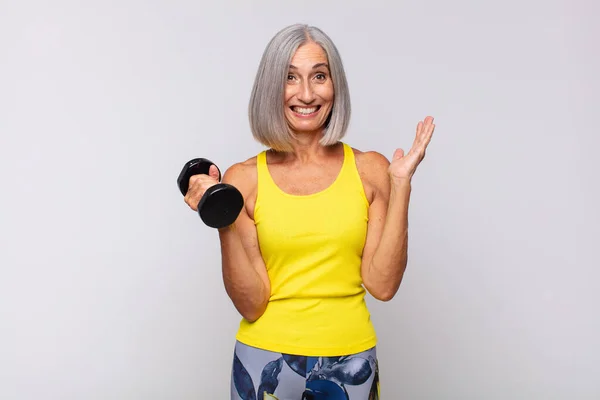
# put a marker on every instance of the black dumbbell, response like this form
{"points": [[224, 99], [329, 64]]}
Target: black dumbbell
{"points": [[221, 204]]}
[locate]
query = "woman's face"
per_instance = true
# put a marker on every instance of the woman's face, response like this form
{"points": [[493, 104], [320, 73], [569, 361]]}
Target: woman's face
{"points": [[309, 90]]}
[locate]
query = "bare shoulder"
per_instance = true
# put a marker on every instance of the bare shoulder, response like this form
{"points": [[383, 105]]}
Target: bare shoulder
{"points": [[372, 167], [242, 175]]}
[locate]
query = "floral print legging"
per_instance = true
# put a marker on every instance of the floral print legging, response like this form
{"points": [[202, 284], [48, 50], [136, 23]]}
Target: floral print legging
{"points": [[264, 375]]}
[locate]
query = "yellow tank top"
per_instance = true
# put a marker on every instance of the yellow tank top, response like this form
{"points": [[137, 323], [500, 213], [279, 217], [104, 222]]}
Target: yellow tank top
{"points": [[312, 246]]}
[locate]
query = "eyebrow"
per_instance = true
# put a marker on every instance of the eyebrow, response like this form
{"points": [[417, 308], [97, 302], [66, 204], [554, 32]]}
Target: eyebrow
{"points": [[314, 66]]}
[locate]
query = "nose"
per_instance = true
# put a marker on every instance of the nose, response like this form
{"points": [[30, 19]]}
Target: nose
{"points": [[306, 93]]}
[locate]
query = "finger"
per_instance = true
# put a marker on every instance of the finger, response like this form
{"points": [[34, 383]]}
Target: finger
{"points": [[422, 135], [425, 126], [194, 193], [213, 172], [426, 131], [427, 122], [419, 127], [429, 134], [398, 154], [418, 142], [188, 201]]}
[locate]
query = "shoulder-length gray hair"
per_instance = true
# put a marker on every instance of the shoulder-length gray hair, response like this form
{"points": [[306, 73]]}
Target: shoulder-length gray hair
{"points": [[266, 108]]}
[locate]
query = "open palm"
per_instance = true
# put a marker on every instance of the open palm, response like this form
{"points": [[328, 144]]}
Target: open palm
{"points": [[403, 166]]}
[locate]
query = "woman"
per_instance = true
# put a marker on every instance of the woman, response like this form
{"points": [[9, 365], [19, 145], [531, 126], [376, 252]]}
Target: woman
{"points": [[322, 224]]}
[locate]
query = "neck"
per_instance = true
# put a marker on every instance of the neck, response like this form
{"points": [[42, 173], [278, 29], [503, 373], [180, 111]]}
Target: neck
{"points": [[307, 148]]}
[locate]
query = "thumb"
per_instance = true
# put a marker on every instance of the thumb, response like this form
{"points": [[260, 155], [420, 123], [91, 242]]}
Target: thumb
{"points": [[213, 172], [399, 153]]}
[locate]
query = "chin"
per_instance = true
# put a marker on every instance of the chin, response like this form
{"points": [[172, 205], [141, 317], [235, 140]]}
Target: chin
{"points": [[305, 125], [306, 128]]}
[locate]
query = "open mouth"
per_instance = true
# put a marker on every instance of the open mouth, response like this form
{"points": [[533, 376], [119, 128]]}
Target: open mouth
{"points": [[305, 111]]}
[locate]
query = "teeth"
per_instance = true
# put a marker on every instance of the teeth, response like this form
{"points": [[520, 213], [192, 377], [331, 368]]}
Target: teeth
{"points": [[306, 111]]}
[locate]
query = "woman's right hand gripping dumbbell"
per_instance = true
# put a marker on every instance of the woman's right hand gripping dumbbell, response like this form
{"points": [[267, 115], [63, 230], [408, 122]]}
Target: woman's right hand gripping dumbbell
{"points": [[217, 203], [198, 185]]}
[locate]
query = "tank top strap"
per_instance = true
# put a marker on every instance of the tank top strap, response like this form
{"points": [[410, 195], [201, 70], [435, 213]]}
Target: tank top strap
{"points": [[261, 169], [349, 161], [266, 186], [261, 164], [350, 176]]}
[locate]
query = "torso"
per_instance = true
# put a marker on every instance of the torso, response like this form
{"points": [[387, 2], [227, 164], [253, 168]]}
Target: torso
{"points": [[311, 231]]}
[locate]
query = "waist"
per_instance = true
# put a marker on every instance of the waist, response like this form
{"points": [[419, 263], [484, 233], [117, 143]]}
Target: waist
{"points": [[312, 326]]}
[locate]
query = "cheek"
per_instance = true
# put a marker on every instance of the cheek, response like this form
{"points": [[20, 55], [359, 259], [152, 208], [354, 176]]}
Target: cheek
{"points": [[326, 92], [288, 93]]}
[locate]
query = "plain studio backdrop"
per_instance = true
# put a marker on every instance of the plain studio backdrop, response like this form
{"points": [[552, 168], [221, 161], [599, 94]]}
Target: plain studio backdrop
{"points": [[110, 286]]}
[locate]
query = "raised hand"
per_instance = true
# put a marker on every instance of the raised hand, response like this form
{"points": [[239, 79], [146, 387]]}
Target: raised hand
{"points": [[403, 166]]}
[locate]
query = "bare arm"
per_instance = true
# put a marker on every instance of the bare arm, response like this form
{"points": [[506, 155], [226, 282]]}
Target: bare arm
{"points": [[244, 272], [385, 254]]}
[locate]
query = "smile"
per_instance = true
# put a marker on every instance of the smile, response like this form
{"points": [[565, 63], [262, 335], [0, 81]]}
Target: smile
{"points": [[305, 111]]}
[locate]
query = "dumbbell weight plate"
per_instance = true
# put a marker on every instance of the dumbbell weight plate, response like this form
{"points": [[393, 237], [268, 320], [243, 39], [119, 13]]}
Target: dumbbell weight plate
{"points": [[220, 205]]}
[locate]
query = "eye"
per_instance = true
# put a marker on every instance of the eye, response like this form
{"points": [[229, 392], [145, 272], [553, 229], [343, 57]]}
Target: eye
{"points": [[290, 77], [321, 76]]}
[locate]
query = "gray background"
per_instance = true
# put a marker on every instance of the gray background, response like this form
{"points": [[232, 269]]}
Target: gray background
{"points": [[110, 287]]}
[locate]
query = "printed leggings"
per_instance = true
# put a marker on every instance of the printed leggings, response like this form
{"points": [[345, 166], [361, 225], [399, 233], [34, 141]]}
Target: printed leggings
{"points": [[264, 375]]}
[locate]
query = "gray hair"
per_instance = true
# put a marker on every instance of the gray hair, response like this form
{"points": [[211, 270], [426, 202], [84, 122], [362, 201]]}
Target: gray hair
{"points": [[266, 108]]}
